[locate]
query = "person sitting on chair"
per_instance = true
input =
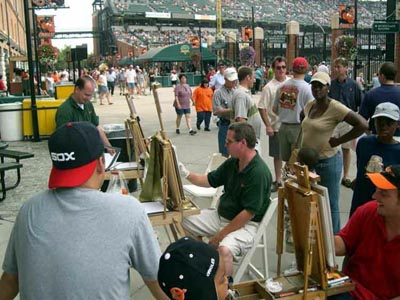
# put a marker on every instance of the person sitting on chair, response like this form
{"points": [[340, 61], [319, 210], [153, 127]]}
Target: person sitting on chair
{"points": [[247, 189], [371, 241]]}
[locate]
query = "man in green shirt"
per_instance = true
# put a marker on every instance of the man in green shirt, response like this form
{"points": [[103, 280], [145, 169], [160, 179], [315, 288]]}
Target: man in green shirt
{"points": [[78, 108], [247, 189]]}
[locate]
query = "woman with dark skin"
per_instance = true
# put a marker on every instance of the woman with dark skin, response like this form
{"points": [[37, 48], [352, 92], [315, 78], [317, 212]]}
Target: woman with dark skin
{"points": [[320, 117]]}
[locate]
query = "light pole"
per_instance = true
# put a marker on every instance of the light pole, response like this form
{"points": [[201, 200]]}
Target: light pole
{"points": [[35, 125], [355, 36]]}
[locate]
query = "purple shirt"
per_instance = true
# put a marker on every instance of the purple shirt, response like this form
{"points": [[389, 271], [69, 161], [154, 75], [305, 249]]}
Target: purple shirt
{"points": [[184, 94]]}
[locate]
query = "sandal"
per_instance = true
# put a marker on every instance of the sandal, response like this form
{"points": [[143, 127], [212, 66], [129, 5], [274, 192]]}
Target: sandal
{"points": [[346, 182]]}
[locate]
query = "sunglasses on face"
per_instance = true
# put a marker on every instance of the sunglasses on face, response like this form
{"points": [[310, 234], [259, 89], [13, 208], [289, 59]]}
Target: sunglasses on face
{"points": [[280, 67]]}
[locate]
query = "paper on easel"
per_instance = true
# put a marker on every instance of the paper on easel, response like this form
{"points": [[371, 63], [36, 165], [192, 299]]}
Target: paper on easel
{"points": [[110, 160], [153, 207]]}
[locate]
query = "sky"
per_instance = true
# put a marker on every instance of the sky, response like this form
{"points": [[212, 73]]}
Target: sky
{"points": [[76, 17]]}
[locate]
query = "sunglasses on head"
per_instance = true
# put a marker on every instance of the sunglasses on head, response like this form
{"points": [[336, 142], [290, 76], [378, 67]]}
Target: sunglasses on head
{"points": [[280, 67]]}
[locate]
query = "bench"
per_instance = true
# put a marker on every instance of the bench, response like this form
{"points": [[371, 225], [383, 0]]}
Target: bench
{"points": [[17, 155], [3, 168]]}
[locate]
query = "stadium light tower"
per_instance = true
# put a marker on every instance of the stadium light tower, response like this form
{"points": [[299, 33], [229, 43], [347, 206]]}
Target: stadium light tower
{"points": [[218, 9]]}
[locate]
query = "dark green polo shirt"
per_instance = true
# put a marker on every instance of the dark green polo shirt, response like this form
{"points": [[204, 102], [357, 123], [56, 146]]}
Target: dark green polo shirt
{"points": [[69, 111], [248, 189]]}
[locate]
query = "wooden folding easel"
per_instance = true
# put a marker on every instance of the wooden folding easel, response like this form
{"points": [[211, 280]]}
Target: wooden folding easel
{"points": [[172, 190], [305, 216], [135, 138], [134, 141]]}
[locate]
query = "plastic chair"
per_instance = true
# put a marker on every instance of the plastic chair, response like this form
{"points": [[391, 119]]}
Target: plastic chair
{"points": [[259, 242], [201, 192]]}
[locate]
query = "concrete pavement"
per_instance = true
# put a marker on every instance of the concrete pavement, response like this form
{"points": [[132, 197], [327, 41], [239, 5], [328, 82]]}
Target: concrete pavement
{"points": [[194, 151]]}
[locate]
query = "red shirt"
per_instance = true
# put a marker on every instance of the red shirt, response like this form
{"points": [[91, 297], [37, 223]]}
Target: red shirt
{"points": [[374, 263], [2, 85]]}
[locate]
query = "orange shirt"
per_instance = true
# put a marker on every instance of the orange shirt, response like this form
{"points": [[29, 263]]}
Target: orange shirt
{"points": [[55, 77], [203, 99]]}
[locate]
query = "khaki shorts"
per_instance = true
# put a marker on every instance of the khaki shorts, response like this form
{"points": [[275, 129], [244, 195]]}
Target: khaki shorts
{"points": [[208, 223], [341, 129]]}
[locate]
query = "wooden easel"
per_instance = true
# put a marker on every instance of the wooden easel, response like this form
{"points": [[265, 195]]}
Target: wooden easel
{"points": [[304, 212], [172, 189], [134, 140]]}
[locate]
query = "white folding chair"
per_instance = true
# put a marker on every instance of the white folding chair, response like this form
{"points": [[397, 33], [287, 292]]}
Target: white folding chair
{"points": [[201, 192], [259, 242]]}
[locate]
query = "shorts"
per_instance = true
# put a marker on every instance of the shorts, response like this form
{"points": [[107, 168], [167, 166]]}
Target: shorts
{"points": [[208, 223], [182, 111], [122, 84], [173, 82], [103, 89], [341, 129], [274, 146], [288, 135], [131, 85]]}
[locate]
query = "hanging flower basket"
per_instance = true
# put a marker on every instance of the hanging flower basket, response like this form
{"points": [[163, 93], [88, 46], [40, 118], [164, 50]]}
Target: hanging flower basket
{"points": [[247, 56], [47, 55], [346, 46]]}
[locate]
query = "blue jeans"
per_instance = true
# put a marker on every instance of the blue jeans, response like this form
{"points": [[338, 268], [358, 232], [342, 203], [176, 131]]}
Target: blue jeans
{"points": [[330, 171], [222, 132], [203, 116]]}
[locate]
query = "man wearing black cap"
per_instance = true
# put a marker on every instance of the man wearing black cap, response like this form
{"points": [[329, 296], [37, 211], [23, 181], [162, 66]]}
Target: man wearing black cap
{"points": [[192, 270], [73, 241], [371, 240]]}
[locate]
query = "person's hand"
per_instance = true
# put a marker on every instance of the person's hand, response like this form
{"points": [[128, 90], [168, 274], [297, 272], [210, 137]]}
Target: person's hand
{"points": [[214, 241], [111, 150], [270, 131], [183, 171], [334, 142]]}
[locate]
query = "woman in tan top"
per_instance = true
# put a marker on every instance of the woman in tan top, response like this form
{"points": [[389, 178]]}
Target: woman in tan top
{"points": [[320, 117]]}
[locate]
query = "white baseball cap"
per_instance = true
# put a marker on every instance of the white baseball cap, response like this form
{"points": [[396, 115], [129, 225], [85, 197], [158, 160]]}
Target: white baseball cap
{"points": [[388, 110], [321, 77], [231, 74]]}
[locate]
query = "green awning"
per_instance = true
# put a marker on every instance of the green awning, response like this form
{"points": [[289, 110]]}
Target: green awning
{"points": [[178, 52]]}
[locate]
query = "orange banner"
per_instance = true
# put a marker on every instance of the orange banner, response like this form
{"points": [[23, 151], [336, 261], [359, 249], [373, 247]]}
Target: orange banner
{"points": [[346, 16]]}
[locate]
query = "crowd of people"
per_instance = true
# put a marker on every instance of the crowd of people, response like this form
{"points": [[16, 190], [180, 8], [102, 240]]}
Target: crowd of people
{"points": [[304, 11], [320, 110]]}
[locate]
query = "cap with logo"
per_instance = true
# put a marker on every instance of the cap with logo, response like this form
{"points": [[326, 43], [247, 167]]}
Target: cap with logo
{"points": [[187, 269], [231, 74], [321, 77], [387, 180], [300, 65], [388, 110], [74, 149]]}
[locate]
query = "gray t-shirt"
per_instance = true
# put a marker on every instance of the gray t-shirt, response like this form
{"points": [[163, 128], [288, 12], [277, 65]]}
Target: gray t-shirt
{"points": [[79, 244], [244, 107], [222, 99], [290, 99]]}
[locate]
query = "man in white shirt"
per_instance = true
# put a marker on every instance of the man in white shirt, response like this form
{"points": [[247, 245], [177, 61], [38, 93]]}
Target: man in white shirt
{"points": [[270, 119], [130, 76], [218, 80]]}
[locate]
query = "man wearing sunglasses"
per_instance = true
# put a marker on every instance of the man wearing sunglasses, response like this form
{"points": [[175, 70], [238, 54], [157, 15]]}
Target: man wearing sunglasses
{"points": [[247, 189], [371, 241], [270, 119]]}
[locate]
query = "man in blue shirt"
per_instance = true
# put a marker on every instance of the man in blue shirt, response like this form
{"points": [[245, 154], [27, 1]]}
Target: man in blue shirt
{"points": [[348, 92], [387, 92]]}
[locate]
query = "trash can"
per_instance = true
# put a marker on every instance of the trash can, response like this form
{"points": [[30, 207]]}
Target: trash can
{"points": [[117, 137], [11, 122]]}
